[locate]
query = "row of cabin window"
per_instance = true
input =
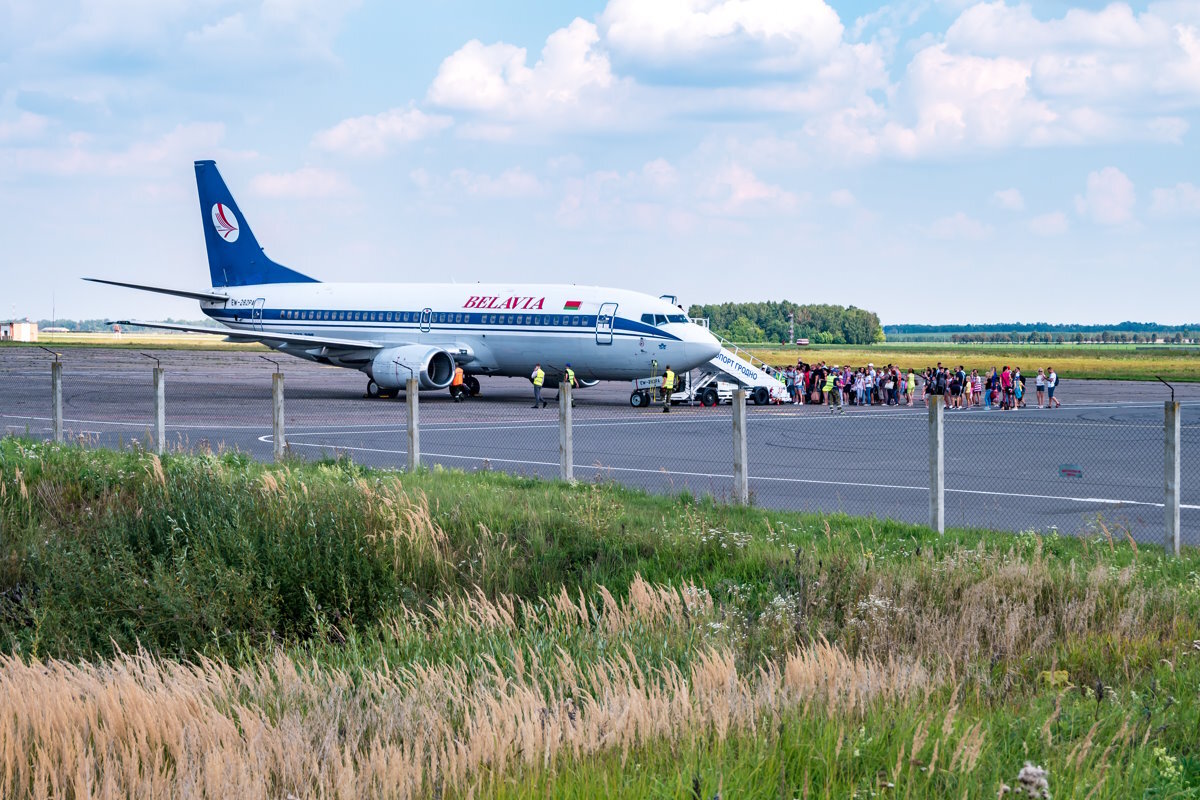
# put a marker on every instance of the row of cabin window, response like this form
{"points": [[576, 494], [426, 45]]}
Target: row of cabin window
{"points": [[406, 316], [659, 320]]}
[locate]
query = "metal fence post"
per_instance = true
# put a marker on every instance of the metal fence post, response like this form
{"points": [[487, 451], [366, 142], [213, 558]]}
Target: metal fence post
{"points": [[412, 400], [1171, 422], [56, 398], [160, 411], [741, 479], [566, 456], [277, 414], [937, 464]]}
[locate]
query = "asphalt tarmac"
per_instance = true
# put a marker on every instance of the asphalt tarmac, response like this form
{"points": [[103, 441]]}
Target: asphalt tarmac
{"points": [[1095, 465]]}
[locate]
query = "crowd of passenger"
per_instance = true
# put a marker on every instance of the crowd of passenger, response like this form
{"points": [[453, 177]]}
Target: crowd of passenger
{"points": [[840, 386]]}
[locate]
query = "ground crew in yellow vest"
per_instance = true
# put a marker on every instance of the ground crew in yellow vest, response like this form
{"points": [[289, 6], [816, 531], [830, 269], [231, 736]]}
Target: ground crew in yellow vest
{"points": [[569, 377], [456, 384], [538, 377], [668, 388], [833, 392]]}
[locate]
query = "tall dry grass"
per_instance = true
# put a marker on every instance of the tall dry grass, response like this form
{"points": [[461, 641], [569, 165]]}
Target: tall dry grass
{"points": [[139, 726]]}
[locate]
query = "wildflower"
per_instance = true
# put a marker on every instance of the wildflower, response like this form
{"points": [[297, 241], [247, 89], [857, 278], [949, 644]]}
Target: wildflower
{"points": [[1033, 781]]}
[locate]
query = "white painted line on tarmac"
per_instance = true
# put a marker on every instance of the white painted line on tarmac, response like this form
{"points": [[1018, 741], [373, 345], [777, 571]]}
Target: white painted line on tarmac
{"points": [[146, 424], [812, 481]]}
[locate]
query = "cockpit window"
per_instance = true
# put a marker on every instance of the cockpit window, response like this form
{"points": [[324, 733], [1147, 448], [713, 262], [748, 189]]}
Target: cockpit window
{"points": [[659, 319], [648, 319], [676, 318]]}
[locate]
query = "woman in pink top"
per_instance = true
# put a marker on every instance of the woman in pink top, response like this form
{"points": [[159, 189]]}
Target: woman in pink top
{"points": [[1006, 386]]}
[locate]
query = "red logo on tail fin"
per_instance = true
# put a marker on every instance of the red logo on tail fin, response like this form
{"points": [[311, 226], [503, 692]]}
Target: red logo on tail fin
{"points": [[225, 222]]}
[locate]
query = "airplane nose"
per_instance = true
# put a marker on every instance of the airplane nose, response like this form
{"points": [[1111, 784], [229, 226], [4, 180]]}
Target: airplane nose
{"points": [[704, 346]]}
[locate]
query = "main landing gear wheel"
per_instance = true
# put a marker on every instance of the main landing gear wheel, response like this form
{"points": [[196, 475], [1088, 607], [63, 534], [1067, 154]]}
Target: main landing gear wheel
{"points": [[709, 398], [639, 400], [761, 396], [472, 385], [372, 388]]}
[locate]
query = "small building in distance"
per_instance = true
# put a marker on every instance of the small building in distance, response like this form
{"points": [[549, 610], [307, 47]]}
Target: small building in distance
{"points": [[18, 331]]}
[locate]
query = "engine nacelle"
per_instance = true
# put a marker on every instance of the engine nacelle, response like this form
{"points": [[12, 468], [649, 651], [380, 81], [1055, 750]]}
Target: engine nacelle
{"points": [[433, 367]]}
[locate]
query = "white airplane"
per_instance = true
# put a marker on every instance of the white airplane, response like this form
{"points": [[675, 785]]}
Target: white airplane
{"points": [[392, 331]]}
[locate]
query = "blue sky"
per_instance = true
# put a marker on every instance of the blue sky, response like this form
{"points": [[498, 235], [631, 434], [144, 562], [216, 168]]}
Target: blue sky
{"points": [[931, 160]]}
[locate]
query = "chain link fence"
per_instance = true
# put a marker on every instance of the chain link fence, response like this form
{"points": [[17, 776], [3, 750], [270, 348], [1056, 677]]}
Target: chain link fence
{"points": [[1080, 472]]}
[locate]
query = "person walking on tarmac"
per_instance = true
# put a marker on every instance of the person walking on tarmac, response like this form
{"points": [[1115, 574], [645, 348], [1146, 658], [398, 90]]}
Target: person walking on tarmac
{"points": [[457, 390], [668, 388], [569, 378], [538, 377]]}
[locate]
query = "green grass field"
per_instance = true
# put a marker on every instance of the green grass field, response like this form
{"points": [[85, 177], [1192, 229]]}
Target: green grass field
{"points": [[209, 626]]}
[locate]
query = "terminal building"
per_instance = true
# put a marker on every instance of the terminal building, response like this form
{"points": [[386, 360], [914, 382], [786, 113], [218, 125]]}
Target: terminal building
{"points": [[18, 331]]}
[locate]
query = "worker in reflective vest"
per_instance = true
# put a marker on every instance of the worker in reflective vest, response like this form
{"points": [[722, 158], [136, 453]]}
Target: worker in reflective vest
{"points": [[833, 390], [456, 384], [668, 388], [569, 377], [538, 377]]}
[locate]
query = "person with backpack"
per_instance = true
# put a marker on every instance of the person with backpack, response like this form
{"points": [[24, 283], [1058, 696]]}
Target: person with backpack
{"points": [[1051, 385]]}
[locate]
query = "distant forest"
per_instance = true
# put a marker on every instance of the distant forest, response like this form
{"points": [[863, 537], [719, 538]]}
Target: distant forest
{"points": [[1044, 333], [1042, 327], [769, 321]]}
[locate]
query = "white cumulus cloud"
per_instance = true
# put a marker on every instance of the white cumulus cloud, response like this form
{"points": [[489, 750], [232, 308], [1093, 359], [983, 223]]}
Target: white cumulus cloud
{"points": [[766, 34], [495, 79], [1182, 199], [1010, 199], [307, 182], [1109, 198], [736, 190], [374, 134]]}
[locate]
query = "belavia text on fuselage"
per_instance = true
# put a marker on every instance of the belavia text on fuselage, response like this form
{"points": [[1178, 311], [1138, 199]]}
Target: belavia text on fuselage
{"points": [[392, 331]]}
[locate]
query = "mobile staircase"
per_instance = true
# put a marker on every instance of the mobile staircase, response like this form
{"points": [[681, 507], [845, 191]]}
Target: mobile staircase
{"points": [[705, 384], [715, 383]]}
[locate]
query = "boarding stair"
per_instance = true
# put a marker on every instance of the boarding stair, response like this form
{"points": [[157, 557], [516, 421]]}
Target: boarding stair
{"points": [[738, 365]]}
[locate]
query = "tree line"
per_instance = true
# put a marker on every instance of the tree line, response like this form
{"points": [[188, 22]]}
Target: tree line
{"points": [[1079, 337], [1043, 327], [770, 321]]}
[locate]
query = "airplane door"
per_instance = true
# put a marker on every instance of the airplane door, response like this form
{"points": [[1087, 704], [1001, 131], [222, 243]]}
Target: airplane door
{"points": [[257, 314], [426, 315], [604, 323]]}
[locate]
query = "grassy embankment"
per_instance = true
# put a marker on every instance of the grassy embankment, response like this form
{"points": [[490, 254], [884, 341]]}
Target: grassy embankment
{"points": [[324, 630], [1112, 362]]}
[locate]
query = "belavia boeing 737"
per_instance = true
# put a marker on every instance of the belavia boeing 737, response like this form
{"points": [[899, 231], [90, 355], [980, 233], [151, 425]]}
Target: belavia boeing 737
{"points": [[392, 331]]}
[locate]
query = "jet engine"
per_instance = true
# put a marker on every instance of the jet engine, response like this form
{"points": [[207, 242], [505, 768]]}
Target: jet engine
{"points": [[433, 367]]}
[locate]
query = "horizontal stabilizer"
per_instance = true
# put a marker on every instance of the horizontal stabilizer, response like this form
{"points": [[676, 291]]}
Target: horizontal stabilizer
{"points": [[194, 295], [266, 337]]}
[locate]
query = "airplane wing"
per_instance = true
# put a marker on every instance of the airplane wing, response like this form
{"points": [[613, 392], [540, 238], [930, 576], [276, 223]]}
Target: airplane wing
{"points": [[194, 295], [266, 337]]}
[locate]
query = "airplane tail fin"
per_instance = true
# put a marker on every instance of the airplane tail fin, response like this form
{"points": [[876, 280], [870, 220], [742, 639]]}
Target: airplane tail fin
{"points": [[234, 255]]}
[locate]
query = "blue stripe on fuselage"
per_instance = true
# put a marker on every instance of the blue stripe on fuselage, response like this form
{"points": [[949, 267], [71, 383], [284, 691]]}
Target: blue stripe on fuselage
{"points": [[587, 324]]}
